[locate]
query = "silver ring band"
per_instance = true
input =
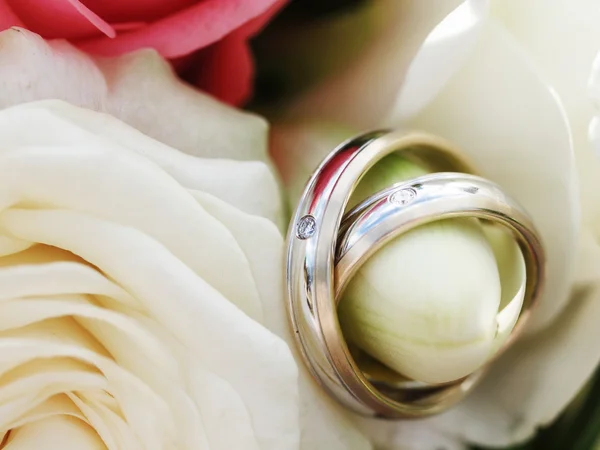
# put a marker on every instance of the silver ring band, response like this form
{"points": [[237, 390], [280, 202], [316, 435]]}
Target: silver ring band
{"points": [[325, 248]]}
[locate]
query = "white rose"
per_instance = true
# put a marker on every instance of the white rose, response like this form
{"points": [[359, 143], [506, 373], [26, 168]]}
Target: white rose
{"points": [[140, 266], [486, 77]]}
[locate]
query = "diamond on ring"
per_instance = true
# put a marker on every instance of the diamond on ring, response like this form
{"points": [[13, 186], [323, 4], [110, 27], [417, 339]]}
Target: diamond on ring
{"points": [[403, 196], [306, 227]]}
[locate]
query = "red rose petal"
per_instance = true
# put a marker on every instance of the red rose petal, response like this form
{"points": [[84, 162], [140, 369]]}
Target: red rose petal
{"points": [[185, 31], [137, 10], [225, 69], [127, 26], [7, 17], [60, 18], [230, 75]]}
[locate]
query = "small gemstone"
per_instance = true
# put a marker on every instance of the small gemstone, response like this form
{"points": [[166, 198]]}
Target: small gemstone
{"points": [[403, 196], [306, 227], [471, 189]]}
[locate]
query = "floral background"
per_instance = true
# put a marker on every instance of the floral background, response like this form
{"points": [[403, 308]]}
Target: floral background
{"points": [[151, 152]]}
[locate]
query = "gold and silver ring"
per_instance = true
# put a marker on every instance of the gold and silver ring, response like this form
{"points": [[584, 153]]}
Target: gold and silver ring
{"points": [[327, 245]]}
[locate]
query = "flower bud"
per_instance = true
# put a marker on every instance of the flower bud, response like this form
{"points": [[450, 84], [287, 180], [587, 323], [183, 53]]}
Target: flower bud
{"points": [[426, 304]]}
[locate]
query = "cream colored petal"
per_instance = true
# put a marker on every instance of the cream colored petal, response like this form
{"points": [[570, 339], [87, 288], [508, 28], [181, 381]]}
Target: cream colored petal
{"points": [[197, 315], [440, 55], [234, 408], [109, 181], [129, 344], [224, 415], [9, 246], [146, 94], [249, 185], [262, 245], [25, 278], [31, 384], [562, 38], [364, 92], [109, 424], [502, 114], [47, 352], [162, 265], [57, 405], [159, 105], [134, 348], [532, 383], [71, 405], [55, 433]]}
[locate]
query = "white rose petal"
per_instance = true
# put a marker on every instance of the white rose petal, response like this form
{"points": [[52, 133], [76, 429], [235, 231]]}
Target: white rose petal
{"points": [[141, 285], [440, 55], [164, 272], [141, 90], [561, 37]]}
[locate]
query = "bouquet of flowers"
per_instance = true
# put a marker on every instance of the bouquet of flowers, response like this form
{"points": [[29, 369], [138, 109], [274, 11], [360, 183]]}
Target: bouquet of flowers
{"points": [[428, 168]]}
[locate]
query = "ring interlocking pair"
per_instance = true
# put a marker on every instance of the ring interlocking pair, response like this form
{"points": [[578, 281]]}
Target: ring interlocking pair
{"points": [[327, 245]]}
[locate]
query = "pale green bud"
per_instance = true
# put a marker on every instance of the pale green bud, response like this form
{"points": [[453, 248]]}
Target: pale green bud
{"points": [[426, 304]]}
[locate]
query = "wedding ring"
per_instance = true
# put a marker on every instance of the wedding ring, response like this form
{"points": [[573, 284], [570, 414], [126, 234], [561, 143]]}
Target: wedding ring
{"points": [[327, 245]]}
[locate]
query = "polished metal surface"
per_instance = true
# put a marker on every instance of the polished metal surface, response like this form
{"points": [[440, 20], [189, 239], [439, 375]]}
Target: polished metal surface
{"points": [[326, 247]]}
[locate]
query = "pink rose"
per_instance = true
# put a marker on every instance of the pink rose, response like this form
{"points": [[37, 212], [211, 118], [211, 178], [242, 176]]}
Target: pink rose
{"points": [[207, 39]]}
